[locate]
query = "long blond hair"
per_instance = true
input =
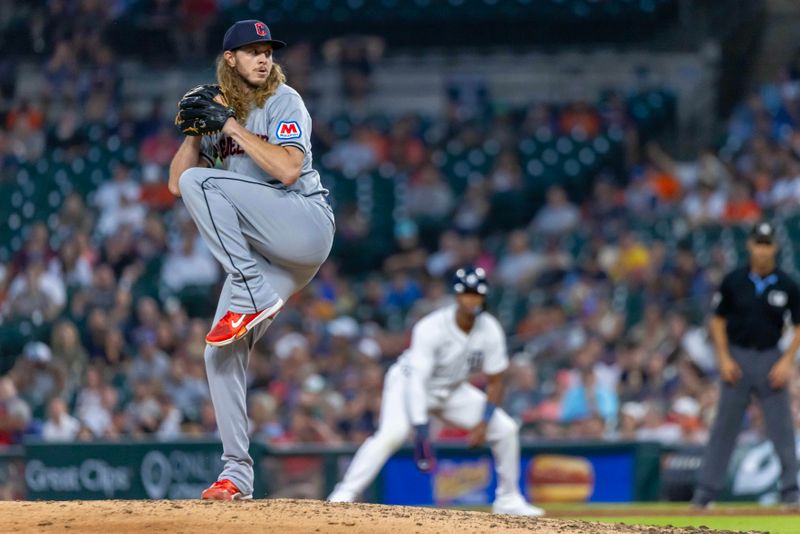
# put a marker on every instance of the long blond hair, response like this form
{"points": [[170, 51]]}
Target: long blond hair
{"points": [[233, 87]]}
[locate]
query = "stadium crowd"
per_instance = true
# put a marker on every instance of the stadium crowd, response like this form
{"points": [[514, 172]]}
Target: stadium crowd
{"points": [[604, 316]]}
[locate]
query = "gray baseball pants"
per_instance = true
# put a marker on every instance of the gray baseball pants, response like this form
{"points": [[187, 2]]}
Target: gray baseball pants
{"points": [[271, 242], [733, 401]]}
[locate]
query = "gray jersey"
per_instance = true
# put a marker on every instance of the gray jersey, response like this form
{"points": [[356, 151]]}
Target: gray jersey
{"points": [[283, 120]]}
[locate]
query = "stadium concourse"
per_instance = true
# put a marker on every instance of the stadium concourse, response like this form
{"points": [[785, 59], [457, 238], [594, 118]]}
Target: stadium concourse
{"points": [[602, 249]]}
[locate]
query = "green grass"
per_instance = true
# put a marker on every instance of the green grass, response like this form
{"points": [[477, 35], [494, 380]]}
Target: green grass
{"points": [[773, 524], [633, 514]]}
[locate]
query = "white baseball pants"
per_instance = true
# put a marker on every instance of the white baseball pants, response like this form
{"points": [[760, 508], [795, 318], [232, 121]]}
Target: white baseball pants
{"points": [[462, 408]]}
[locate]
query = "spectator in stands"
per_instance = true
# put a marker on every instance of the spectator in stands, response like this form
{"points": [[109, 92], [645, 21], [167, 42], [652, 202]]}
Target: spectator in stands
{"points": [[586, 398], [150, 364], [472, 252], [355, 154], [37, 377], [519, 265], [507, 174], [172, 419], [606, 205], [75, 268], [35, 294], [158, 148], [263, 411], [25, 124], [74, 217], [404, 149], [36, 249], [634, 381], [631, 415], [15, 414], [119, 253], [69, 129], [525, 395], [706, 204], [410, 256], [631, 259], [661, 174], [651, 332], [193, 20], [115, 350], [155, 192], [444, 259], [685, 412], [186, 387], [655, 427], [580, 120], [558, 216], [60, 425], [118, 202], [144, 411], [539, 119], [435, 295], [102, 84], [189, 263], [473, 209], [402, 293], [785, 190], [148, 317], [683, 278], [103, 289], [741, 208], [90, 395], [68, 351], [429, 196], [355, 56]]}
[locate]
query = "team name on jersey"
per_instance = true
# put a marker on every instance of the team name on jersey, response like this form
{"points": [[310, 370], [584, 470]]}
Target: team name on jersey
{"points": [[227, 147]]}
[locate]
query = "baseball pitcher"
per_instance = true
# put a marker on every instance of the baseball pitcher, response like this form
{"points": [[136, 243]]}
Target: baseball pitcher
{"points": [[430, 378], [263, 215]]}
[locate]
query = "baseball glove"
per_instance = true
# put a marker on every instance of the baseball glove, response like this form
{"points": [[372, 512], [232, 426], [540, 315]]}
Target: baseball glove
{"points": [[203, 110]]}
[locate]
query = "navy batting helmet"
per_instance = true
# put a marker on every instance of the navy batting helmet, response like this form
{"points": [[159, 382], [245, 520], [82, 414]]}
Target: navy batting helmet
{"points": [[469, 280]]}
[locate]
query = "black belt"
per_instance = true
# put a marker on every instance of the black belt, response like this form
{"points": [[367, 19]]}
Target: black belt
{"points": [[754, 347]]}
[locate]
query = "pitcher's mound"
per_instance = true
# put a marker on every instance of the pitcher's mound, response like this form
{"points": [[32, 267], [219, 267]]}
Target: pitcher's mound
{"points": [[279, 516]]}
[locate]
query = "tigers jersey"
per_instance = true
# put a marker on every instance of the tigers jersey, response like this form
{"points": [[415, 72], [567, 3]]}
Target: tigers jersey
{"points": [[283, 120], [444, 355]]}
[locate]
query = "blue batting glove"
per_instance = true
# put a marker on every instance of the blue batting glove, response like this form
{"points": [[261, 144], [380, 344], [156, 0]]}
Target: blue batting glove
{"points": [[424, 458]]}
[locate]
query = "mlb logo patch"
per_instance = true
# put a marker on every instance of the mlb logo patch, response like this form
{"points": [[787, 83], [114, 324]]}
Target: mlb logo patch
{"points": [[776, 298], [288, 130]]}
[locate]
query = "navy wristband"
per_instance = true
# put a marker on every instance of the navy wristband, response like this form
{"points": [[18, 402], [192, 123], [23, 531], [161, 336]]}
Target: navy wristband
{"points": [[488, 411], [421, 431]]}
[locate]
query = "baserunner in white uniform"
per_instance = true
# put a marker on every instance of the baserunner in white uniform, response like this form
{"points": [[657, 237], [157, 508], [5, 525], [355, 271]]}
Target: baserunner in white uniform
{"points": [[264, 216], [430, 378]]}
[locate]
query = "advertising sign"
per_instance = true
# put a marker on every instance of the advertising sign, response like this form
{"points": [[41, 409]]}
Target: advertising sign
{"points": [[121, 471], [471, 481]]}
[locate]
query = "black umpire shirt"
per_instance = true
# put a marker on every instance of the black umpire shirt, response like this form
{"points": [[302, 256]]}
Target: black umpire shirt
{"points": [[754, 308]]}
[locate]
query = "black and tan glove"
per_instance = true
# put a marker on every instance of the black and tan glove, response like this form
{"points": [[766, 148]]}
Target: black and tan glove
{"points": [[203, 110]]}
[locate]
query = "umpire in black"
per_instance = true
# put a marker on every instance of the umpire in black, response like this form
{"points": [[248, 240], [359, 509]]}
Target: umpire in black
{"points": [[750, 310]]}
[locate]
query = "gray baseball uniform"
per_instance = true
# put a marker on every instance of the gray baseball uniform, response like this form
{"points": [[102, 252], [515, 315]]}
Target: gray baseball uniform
{"points": [[269, 238]]}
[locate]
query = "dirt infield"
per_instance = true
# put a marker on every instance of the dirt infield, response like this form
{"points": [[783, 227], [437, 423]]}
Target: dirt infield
{"points": [[280, 516]]}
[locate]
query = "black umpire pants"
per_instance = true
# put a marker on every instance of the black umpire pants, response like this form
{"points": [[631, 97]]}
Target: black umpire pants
{"points": [[733, 401]]}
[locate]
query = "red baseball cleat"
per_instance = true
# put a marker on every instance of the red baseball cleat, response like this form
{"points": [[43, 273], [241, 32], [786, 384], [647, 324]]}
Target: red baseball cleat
{"points": [[224, 490], [234, 325]]}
